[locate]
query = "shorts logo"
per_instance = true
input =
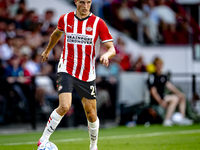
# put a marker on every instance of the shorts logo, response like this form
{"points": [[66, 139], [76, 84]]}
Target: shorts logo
{"points": [[60, 88], [89, 29]]}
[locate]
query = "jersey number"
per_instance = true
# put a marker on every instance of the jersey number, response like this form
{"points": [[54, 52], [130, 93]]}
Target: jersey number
{"points": [[93, 90]]}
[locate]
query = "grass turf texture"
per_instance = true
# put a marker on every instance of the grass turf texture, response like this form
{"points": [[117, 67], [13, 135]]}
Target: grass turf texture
{"points": [[154, 137]]}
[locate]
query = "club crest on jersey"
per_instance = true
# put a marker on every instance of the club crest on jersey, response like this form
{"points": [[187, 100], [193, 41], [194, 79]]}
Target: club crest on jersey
{"points": [[89, 29], [60, 88]]}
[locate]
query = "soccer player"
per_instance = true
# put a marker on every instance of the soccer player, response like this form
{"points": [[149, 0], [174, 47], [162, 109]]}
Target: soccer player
{"points": [[76, 69], [157, 83]]}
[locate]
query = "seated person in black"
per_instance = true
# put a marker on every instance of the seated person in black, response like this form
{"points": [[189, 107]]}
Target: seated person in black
{"points": [[157, 83]]}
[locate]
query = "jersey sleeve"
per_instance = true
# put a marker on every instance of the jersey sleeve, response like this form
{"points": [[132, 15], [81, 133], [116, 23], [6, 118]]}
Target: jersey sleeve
{"points": [[103, 31], [61, 24], [151, 81]]}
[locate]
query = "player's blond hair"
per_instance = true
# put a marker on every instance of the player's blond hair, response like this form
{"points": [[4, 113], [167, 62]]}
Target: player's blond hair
{"points": [[157, 60]]}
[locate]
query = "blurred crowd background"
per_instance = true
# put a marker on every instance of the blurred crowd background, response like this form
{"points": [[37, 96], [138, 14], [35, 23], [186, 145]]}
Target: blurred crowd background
{"points": [[151, 21], [28, 91]]}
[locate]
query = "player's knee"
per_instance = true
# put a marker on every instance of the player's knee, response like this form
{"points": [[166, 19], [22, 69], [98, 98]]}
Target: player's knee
{"points": [[65, 107], [91, 116], [175, 99]]}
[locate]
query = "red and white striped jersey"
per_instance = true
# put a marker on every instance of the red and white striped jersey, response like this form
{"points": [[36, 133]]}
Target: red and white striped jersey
{"points": [[82, 44]]}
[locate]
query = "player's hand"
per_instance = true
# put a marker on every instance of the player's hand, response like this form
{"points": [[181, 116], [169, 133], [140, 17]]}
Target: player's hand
{"points": [[45, 56], [163, 104], [181, 96], [104, 60]]}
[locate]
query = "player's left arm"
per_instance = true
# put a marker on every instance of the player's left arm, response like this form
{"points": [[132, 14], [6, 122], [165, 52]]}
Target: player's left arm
{"points": [[109, 54], [176, 91]]}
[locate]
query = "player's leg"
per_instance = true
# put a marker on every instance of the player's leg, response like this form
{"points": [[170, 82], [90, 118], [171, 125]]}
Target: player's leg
{"points": [[56, 116], [87, 93], [65, 86], [182, 106], [182, 109], [172, 101], [89, 106]]}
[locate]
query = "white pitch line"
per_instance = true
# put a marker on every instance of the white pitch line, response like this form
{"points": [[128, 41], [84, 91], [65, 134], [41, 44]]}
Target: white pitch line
{"points": [[116, 137]]}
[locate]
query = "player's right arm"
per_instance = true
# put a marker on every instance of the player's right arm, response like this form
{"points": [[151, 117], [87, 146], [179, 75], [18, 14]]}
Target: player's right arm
{"points": [[55, 37]]}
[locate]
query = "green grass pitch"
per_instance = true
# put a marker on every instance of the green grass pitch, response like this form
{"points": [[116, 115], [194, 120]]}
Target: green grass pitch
{"points": [[154, 137]]}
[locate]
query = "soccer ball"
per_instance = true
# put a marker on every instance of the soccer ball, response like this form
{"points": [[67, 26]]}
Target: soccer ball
{"points": [[47, 146], [177, 117]]}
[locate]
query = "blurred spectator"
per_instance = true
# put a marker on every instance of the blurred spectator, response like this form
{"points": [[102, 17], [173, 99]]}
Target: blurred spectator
{"points": [[10, 31], [162, 102], [18, 80], [19, 19], [167, 16], [45, 88], [22, 6], [47, 20], [122, 57], [183, 23], [17, 43], [139, 65], [26, 50], [168, 22], [3, 12], [15, 72], [33, 65], [30, 20], [14, 6], [2, 31], [6, 50], [152, 21], [128, 19], [34, 39], [142, 20], [20, 39], [26, 54]]}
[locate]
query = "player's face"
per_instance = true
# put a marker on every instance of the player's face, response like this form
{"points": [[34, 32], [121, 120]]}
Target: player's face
{"points": [[159, 66], [83, 7]]}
